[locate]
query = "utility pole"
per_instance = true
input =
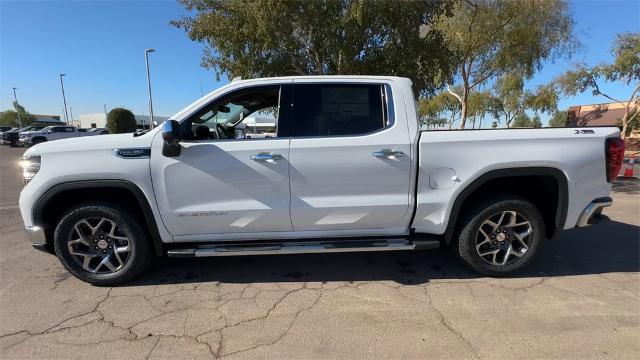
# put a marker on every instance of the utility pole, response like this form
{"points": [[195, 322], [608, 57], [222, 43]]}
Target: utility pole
{"points": [[105, 114], [146, 59], [17, 109], [64, 99]]}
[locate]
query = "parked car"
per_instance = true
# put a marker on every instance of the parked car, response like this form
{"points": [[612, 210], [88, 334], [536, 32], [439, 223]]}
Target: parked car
{"points": [[6, 128], [50, 133], [11, 137], [98, 131], [348, 170]]}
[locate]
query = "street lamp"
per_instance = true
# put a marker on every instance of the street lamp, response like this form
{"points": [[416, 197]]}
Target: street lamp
{"points": [[146, 59], [71, 111], [64, 99], [105, 114], [17, 109]]}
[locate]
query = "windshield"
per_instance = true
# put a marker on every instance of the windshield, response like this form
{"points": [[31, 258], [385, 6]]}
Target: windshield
{"points": [[222, 115]]}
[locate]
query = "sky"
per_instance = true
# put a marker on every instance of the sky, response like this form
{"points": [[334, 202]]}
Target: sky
{"points": [[100, 46]]}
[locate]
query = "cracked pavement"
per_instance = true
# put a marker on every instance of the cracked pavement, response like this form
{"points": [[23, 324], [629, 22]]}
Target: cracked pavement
{"points": [[580, 300]]}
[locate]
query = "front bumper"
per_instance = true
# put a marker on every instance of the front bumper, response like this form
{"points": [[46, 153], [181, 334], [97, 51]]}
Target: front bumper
{"points": [[24, 141], [35, 234], [592, 214]]}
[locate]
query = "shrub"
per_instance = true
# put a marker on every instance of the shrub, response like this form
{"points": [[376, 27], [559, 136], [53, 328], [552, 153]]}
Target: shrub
{"points": [[121, 121]]}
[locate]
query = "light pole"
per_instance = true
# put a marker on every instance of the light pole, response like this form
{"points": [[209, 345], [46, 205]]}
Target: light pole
{"points": [[105, 114], [17, 109], [71, 111], [64, 99], [146, 59]]}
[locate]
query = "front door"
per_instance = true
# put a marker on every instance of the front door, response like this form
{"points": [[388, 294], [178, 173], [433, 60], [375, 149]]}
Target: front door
{"points": [[232, 175], [350, 160]]}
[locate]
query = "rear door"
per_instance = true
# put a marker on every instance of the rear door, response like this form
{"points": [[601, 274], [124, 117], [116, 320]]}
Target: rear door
{"points": [[350, 159]]}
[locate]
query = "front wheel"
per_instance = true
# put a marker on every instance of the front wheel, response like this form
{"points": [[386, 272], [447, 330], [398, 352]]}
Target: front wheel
{"points": [[102, 244], [500, 236]]}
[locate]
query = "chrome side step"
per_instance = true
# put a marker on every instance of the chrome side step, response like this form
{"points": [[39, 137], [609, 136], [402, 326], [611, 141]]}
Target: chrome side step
{"points": [[301, 247]]}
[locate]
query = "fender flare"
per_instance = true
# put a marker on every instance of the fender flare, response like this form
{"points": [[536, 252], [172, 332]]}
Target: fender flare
{"points": [[558, 175], [38, 209]]}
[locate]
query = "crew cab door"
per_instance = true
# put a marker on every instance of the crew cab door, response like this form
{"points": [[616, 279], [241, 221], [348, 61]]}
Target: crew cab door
{"points": [[228, 184], [350, 159]]}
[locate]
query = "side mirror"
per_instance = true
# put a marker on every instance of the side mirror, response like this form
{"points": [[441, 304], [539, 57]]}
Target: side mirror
{"points": [[171, 137], [49, 131]]}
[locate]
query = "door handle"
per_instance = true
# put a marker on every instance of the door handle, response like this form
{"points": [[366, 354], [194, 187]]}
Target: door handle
{"points": [[266, 157], [387, 153]]}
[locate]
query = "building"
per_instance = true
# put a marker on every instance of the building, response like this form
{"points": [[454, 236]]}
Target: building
{"points": [[607, 114], [53, 119], [98, 120]]}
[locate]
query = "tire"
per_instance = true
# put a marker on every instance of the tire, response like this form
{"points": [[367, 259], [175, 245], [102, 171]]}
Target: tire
{"points": [[99, 240], [14, 143], [482, 247]]}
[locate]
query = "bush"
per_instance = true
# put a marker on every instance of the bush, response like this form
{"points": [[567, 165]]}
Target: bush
{"points": [[121, 121]]}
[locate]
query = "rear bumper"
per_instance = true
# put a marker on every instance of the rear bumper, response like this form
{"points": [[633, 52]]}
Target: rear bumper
{"points": [[592, 214]]}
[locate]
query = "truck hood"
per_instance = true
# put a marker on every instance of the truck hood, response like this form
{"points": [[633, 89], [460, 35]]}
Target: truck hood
{"points": [[88, 143]]}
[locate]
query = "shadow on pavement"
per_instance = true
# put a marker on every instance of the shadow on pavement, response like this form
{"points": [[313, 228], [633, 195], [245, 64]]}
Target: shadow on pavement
{"points": [[609, 247]]}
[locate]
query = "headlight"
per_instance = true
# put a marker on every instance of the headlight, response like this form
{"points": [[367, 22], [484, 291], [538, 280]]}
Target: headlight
{"points": [[30, 166]]}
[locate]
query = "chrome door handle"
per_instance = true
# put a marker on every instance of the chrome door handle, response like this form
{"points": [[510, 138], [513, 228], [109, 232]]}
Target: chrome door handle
{"points": [[387, 153], [266, 157]]}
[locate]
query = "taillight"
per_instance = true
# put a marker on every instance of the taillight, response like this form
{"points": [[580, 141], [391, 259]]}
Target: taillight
{"points": [[615, 154]]}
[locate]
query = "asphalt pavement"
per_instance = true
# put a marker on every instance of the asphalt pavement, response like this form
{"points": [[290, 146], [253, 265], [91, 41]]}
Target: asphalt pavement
{"points": [[580, 300]]}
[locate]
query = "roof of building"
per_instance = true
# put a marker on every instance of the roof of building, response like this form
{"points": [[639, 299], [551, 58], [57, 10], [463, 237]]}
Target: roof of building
{"points": [[606, 114]]}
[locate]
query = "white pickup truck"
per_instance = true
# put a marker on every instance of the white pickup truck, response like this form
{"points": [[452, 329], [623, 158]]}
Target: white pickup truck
{"points": [[51, 133], [348, 170]]}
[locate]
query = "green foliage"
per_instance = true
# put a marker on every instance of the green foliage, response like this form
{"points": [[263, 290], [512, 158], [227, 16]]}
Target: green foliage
{"points": [[625, 68], [559, 119], [438, 110], [535, 122], [253, 38], [120, 121], [511, 98], [10, 117], [493, 38], [521, 120]]}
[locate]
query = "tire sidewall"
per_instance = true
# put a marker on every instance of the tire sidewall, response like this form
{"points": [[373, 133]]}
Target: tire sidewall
{"points": [[467, 237], [119, 216]]}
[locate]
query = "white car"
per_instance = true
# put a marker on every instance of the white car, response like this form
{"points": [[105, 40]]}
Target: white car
{"points": [[51, 133], [347, 170]]}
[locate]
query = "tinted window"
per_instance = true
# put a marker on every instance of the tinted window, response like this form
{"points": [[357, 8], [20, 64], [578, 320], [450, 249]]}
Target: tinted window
{"points": [[68, 129], [333, 109]]}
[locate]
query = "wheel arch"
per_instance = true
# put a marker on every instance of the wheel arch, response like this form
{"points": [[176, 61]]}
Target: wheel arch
{"points": [[541, 177], [47, 209]]}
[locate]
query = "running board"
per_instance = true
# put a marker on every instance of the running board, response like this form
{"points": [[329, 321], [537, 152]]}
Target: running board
{"points": [[308, 247]]}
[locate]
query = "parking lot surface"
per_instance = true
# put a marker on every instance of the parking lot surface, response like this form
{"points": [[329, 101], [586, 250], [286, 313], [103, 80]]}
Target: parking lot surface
{"points": [[580, 300]]}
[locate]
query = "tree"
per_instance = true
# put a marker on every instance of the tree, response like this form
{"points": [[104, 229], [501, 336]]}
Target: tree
{"points": [[535, 122], [252, 38], [495, 37], [558, 119], [120, 121], [521, 120], [625, 69], [10, 117], [510, 98], [480, 104]]}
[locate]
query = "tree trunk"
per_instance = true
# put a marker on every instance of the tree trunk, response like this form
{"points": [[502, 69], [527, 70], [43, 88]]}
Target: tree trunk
{"points": [[463, 110], [625, 124]]}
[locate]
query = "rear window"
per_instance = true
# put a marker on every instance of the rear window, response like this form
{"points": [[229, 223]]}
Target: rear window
{"points": [[337, 109]]}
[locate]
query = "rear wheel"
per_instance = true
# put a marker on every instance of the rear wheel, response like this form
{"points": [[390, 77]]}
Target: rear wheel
{"points": [[500, 236], [102, 244], [14, 143]]}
